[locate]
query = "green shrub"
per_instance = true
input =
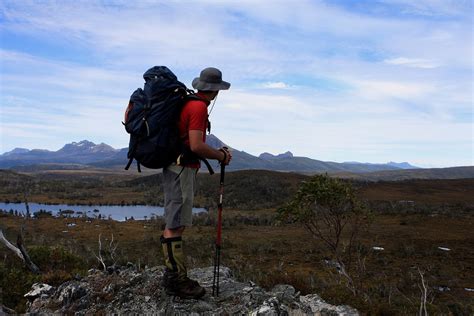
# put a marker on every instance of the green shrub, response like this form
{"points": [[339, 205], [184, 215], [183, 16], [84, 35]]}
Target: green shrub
{"points": [[57, 265], [56, 258], [328, 209], [15, 281]]}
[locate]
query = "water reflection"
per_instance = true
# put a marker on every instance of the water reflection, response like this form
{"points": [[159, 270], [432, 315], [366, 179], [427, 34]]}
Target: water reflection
{"points": [[116, 212]]}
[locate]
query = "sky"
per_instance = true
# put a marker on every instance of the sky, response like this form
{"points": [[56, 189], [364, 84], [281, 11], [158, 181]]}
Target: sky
{"points": [[369, 81]]}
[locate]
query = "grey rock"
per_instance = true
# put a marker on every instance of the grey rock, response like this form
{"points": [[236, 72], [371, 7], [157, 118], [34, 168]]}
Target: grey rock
{"points": [[318, 305], [92, 271], [269, 307], [284, 293], [129, 291], [39, 289], [70, 292], [442, 288], [157, 268]]}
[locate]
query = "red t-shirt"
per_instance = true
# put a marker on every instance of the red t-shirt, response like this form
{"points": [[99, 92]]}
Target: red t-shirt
{"points": [[193, 117]]}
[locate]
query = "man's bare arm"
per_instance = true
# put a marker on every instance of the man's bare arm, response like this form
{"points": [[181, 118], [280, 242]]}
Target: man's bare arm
{"points": [[204, 150]]}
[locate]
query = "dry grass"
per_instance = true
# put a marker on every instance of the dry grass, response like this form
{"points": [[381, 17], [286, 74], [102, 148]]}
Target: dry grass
{"points": [[257, 250], [422, 191], [270, 255]]}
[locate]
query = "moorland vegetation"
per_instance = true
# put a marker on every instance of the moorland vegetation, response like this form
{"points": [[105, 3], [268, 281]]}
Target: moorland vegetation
{"points": [[399, 257]]}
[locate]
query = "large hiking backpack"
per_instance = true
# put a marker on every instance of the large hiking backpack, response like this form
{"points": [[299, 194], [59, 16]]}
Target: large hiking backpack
{"points": [[151, 119]]}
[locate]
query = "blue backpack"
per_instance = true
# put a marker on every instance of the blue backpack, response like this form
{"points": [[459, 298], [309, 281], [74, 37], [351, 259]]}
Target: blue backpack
{"points": [[151, 119]]}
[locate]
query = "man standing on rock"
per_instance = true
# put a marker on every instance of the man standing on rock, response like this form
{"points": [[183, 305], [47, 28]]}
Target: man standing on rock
{"points": [[179, 180]]}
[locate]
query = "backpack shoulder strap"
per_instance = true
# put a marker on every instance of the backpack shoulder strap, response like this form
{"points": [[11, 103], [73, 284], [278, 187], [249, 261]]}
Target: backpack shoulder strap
{"points": [[193, 96]]}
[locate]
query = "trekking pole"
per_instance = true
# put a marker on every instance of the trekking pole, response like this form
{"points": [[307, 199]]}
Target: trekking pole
{"points": [[217, 257]]}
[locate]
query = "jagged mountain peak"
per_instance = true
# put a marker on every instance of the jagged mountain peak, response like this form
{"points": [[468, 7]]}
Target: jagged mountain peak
{"points": [[86, 146], [83, 143], [267, 155]]}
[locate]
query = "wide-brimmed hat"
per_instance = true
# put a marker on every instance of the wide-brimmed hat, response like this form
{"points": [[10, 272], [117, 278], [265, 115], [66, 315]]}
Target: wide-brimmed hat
{"points": [[210, 79]]}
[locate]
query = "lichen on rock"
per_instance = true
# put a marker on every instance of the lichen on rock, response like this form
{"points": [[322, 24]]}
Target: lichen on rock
{"points": [[128, 291]]}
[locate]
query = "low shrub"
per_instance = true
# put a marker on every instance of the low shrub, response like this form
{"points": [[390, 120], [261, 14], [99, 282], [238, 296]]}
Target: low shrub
{"points": [[56, 264]]}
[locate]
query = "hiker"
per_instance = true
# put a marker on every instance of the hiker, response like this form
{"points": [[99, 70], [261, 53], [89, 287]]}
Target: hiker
{"points": [[179, 181]]}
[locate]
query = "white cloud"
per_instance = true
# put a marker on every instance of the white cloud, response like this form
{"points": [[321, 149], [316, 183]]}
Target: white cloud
{"points": [[413, 62], [383, 90], [330, 74], [275, 85], [132, 36], [434, 7], [25, 71], [345, 128]]}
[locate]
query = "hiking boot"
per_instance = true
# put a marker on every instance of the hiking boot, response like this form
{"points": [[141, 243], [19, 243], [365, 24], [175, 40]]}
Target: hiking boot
{"points": [[182, 287], [175, 279]]}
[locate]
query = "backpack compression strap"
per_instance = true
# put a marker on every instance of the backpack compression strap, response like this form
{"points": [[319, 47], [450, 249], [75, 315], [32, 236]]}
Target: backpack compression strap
{"points": [[188, 156], [130, 160], [208, 165], [130, 163]]}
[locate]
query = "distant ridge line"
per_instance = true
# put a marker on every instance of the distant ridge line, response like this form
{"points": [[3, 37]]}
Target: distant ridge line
{"points": [[90, 155]]}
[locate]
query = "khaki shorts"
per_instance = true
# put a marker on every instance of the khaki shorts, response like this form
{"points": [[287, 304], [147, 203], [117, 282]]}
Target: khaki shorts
{"points": [[179, 184]]}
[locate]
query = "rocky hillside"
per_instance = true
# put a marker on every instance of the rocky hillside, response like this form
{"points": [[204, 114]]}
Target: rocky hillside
{"points": [[129, 291]]}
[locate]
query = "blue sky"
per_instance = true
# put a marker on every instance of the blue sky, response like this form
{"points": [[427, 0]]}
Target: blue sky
{"points": [[369, 81]]}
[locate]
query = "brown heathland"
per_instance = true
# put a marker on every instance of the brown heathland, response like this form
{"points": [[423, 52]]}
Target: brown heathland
{"points": [[257, 248]]}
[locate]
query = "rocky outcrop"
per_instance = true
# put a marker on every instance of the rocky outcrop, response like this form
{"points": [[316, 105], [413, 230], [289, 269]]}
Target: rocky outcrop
{"points": [[128, 291]]}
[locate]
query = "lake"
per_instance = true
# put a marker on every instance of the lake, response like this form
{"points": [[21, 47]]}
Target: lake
{"points": [[116, 212]]}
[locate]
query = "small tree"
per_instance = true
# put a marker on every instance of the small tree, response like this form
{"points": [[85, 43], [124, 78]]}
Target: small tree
{"points": [[327, 207]]}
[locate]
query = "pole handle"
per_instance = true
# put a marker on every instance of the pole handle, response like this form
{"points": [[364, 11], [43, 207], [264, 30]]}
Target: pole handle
{"points": [[223, 169], [222, 173]]}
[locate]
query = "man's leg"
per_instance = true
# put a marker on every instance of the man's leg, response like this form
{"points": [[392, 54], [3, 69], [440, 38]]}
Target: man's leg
{"points": [[170, 233], [173, 252], [179, 194]]}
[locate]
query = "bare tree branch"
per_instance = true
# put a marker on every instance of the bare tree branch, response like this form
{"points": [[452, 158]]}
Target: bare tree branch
{"points": [[112, 248], [20, 251], [424, 295], [99, 256], [30, 264], [11, 246], [4, 309]]}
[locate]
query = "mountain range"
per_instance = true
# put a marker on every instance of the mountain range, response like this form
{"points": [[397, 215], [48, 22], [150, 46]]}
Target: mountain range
{"points": [[105, 156]]}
